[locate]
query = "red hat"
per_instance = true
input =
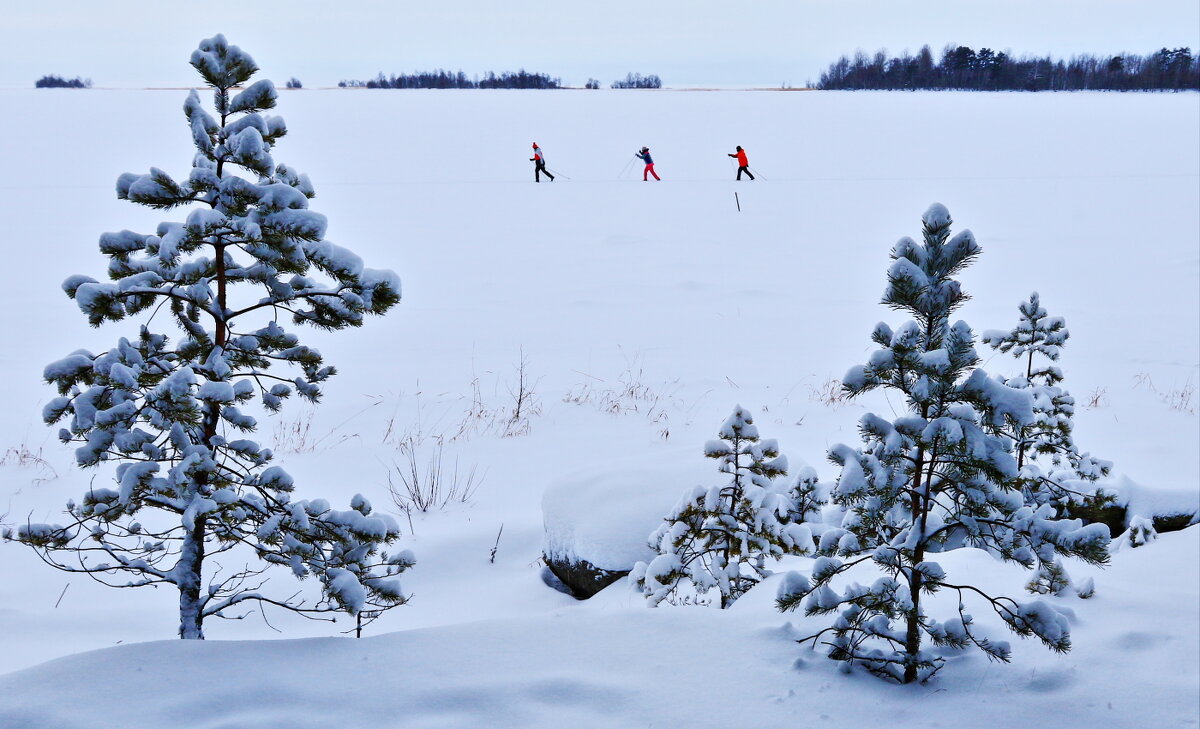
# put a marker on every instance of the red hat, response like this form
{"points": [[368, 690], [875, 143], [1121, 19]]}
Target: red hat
{"points": [[535, 144]]}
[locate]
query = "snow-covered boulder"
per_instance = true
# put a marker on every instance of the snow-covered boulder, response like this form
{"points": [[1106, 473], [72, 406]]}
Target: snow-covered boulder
{"points": [[1165, 508], [1170, 508], [597, 525]]}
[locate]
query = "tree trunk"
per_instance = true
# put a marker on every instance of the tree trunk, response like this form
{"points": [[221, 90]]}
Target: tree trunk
{"points": [[920, 508], [1022, 445], [912, 636], [189, 569], [188, 578]]}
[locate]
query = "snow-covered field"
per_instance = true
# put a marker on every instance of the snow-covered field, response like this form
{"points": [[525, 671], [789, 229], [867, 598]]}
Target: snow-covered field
{"points": [[640, 313]]}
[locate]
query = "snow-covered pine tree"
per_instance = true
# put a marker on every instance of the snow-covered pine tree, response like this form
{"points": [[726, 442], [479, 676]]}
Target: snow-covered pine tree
{"points": [[1069, 474], [721, 537], [805, 496], [1051, 433], [188, 488], [938, 477], [1140, 533]]}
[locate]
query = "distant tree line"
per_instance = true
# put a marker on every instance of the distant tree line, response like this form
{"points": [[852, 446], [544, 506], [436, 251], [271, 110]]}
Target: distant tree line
{"points": [[519, 80], [442, 79], [638, 81], [58, 82], [961, 67]]}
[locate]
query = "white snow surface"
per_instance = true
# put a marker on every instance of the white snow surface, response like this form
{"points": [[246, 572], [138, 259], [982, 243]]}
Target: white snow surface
{"points": [[609, 664], [643, 313]]}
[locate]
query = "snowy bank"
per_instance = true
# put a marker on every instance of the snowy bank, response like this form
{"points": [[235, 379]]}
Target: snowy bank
{"points": [[1136, 662]]}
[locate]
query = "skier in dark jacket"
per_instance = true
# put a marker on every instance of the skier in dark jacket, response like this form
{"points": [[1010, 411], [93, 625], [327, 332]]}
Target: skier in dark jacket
{"points": [[644, 156], [539, 167], [743, 163]]}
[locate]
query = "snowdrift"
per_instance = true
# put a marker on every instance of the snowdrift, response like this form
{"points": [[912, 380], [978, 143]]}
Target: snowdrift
{"points": [[617, 664]]}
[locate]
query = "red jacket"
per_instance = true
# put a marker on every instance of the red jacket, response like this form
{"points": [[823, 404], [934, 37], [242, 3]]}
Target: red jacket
{"points": [[741, 157]]}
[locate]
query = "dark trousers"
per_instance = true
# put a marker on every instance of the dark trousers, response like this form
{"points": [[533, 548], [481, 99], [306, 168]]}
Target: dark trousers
{"points": [[540, 168], [746, 170]]}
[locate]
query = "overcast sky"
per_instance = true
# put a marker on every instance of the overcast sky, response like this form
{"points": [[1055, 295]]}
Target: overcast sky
{"points": [[135, 43]]}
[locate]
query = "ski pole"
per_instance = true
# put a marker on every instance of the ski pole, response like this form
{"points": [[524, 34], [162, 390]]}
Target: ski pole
{"points": [[621, 175], [732, 164], [559, 174], [756, 172]]}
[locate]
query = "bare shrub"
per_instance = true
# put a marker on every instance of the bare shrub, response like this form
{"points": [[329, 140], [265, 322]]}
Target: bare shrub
{"points": [[828, 394], [419, 485], [425, 426], [510, 418], [1097, 398], [1178, 399], [22, 456], [524, 405], [586, 393], [1142, 379], [629, 394], [478, 415], [296, 435]]}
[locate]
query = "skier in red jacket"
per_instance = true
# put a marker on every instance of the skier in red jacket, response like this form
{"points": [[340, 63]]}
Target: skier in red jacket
{"points": [[743, 163]]}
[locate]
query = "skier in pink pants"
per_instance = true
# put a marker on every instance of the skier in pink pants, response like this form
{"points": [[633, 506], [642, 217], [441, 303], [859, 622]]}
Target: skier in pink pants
{"points": [[644, 156]]}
